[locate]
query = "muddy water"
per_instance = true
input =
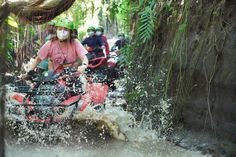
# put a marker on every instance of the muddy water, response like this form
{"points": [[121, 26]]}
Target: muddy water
{"points": [[113, 148], [127, 138], [138, 142]]}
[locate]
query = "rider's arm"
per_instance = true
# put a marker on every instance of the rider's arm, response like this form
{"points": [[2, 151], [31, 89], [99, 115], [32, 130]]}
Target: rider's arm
{"points": [[81, 53], [101, 44], [85, 61], [84, 42], [42, 54], [100, 41], [35, 63], [84, 64], [107, 48]]}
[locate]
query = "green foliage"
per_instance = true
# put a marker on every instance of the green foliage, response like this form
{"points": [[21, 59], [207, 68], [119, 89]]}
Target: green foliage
{"points": [[113, 10], [12, 22], [125, 11], [77, 13], [169, 5], [121, 12], [100, 14], [147, 22], [132, 96], [127, 51], [81, 35], [182, 27], [6, 48]]}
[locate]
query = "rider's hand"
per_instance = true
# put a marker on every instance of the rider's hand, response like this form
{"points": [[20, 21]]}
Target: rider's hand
{"points": [[31, 72], [81, 68], [117, 52], [28, 75], [24, 76]]}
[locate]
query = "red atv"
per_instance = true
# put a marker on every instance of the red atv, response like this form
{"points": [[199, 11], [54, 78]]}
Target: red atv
{"points": [[106, 68], [54, 98]]}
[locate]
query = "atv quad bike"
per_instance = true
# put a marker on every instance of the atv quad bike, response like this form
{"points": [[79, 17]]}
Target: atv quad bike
{"points": [[54, 99]]}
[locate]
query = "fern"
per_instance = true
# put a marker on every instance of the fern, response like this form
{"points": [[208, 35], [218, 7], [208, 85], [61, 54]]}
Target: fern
{"points": [[147, 21]]}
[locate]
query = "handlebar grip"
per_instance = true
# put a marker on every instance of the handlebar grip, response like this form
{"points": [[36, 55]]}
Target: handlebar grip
{"points": [[96, 64]]}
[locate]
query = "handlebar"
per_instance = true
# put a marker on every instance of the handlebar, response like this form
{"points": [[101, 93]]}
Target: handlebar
{"points": [[51, 78], [94, 63]]}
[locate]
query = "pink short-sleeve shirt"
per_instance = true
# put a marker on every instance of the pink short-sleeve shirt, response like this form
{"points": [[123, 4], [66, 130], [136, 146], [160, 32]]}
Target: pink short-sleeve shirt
{"points": [[62, 53]]}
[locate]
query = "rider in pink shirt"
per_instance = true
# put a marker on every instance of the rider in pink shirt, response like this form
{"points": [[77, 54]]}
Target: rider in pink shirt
{"points": [[60, 53], [63, 49]]}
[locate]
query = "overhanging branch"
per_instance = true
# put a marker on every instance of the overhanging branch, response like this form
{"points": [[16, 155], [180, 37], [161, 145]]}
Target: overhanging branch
{"points": [[34, 12]]}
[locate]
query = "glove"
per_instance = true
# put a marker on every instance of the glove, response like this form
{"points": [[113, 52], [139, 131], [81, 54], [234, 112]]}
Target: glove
{"points": [[81, 68], [31, 73]]}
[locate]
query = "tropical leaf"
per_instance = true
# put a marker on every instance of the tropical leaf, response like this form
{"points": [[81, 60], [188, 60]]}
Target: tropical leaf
{"points": [[12, 22], [147, 21]]}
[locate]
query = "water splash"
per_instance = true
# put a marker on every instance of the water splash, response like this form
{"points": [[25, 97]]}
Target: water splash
{"points": [[136, 139], [113, 148], [120, 124]]}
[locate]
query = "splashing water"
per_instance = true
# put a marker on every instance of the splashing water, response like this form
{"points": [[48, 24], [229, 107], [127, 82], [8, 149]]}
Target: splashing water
{"points": [[112, 148], [121, 124], [112, 120], [73, 138]]}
